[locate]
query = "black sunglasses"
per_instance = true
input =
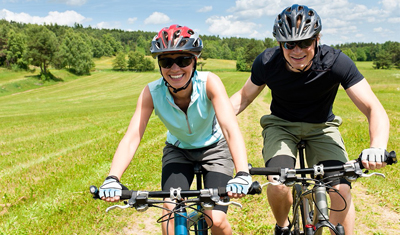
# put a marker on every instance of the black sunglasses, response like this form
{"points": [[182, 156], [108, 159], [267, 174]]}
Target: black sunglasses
{"points": [[302, 44], [181, 61]]}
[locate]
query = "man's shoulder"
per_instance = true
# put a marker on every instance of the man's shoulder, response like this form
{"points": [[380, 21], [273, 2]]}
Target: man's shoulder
{"points": [[269, 54], [326, 57]]}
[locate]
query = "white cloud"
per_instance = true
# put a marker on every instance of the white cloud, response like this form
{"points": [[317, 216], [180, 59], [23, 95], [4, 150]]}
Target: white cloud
{"points": [[390, 5], [71, 2], [132, 20], [205, 9], [230, 26], [108, 25], [378, 30], [395, 20], [157, 18], [61, 18]]}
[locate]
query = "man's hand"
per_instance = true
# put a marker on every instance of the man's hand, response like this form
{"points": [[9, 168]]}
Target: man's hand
{"points": [[373, 158]]}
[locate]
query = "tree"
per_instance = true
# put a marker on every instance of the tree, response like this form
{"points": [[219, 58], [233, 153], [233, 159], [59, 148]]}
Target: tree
{"points": [[41, 47], [76, 53], [240, 61], [97, 47], [137, 62], [119, 63], [350, 54], [245, 57], [16, 49], [111, 45], [134, 58], [361, 54], [269, 43], [4, 28], [383, 60]]}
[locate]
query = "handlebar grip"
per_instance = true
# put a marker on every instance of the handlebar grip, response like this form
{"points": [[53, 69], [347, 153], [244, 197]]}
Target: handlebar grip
{"points": [[222, 192], [391, 158], [126, 194], [94, 191], [255, 188]]}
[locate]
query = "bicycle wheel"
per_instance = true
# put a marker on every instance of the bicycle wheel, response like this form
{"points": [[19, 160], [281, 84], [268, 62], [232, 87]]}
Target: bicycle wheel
{"points": [[298, 218]]}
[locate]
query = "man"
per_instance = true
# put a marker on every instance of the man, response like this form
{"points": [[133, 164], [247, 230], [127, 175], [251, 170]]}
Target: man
{"points": [[304, 78]]}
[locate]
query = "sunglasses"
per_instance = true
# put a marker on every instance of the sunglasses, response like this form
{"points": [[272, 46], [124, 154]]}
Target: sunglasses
{"points": [[181, 61], [302, 44]]}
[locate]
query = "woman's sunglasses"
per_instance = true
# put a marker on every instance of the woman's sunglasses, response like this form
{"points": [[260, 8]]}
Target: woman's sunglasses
{"points": [[302, 44], [181, 61]]}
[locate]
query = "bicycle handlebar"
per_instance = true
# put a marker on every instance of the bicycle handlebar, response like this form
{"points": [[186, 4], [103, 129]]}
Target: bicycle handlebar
{"points": [[140, 199], [287, 176]]}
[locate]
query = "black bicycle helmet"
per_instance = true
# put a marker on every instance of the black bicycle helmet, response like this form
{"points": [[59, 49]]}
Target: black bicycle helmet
{"points": [[296, 23], [176, 38]]}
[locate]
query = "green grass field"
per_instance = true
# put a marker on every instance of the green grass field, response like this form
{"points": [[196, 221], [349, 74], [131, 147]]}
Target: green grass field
{"points": [[58, 138]]}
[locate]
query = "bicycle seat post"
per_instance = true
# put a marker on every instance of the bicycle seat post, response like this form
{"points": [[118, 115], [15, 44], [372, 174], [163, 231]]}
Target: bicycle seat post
{"points": [[301, 146], [198, 173], [201, 225]]}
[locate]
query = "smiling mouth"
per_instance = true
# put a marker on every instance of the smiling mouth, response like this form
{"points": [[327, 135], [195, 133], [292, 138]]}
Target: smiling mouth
{"points": [[298, 58], [174, 77]]}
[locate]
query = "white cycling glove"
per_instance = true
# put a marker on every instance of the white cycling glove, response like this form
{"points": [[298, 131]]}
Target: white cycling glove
{"points": [[111, 187], [240, 184], [373, 155]]}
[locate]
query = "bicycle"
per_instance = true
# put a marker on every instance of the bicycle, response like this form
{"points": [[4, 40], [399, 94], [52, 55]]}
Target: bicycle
{"points": [[310, 205], [188, 213]]}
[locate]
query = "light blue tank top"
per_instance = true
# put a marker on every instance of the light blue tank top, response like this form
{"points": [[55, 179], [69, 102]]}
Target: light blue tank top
{"points": [[196, 129]]}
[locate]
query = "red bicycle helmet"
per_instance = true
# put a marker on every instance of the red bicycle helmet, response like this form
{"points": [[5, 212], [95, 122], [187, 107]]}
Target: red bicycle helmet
{"points": [[296, 23], [176, 38]]}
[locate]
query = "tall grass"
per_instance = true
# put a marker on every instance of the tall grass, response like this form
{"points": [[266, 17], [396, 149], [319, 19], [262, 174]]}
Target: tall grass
{"points": [[57, 139]]}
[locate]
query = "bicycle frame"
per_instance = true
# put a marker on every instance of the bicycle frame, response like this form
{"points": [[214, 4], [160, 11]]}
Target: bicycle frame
{"points": [[196, 219], [314, 217]]}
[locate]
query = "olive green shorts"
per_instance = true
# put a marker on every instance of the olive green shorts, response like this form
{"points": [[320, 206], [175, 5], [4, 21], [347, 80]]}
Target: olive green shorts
{"points": [[323, 140]]}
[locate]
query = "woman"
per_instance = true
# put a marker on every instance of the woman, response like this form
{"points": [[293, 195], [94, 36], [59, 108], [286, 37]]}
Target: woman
{"points": [[202, 126]]}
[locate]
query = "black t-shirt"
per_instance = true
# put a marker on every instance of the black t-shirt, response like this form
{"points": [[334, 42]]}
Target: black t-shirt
{"points": [[309, 96]]}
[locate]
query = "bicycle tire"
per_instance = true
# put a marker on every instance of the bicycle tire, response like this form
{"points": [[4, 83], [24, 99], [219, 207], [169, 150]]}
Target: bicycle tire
{"points": [[298, 221]]}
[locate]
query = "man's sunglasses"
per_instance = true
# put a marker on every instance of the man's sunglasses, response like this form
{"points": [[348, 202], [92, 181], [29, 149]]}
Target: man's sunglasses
{"points": [[302, 44], [181, 61]]}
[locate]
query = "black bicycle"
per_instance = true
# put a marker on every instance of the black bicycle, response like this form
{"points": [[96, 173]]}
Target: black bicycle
{"points": [[310, 210]]}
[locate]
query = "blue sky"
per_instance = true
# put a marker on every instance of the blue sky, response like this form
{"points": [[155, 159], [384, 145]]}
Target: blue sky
{"points": [[343, 21]]}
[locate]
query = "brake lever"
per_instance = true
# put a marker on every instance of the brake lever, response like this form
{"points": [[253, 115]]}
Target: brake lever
{"points": [[372, 174], [275, 183], [117, 206], [221, 203]]}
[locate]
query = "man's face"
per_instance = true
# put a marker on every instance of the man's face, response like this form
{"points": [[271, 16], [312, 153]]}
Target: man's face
{"points": [[299, 53]]}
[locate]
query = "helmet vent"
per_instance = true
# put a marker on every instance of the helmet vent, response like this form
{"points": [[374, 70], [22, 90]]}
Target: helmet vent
{"points": [[310, 13], [190, 32], [196, 43], [289, 20], [182, 43], [300, 8], [289, 9]]}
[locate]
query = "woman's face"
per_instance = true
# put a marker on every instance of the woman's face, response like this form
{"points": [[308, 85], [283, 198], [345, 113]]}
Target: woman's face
{"points": [[299, 58], [176, 68]]}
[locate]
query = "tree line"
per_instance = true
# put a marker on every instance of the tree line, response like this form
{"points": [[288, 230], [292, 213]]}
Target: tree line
{"points": [[74, 48]]}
